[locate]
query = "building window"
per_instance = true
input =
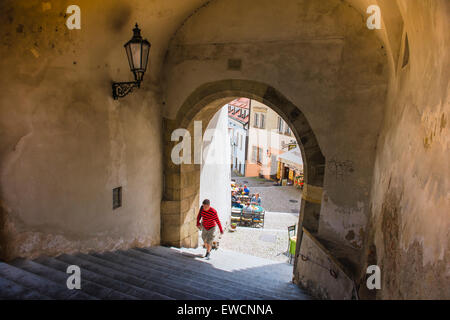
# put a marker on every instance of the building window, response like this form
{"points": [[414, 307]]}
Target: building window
{"points": [[242, 145], [256, 120], [257, 154], [263, 121], [288, 130], [280, 125], [117, 197], [260, 155]]}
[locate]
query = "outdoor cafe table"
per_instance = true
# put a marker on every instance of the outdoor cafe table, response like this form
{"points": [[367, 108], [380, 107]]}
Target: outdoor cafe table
{"points": [[255, 209], [258, 209], [240, 211]]}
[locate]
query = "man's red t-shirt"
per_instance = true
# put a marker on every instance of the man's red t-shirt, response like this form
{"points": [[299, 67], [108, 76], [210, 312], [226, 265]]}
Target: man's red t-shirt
{"points": [[209, 218]]}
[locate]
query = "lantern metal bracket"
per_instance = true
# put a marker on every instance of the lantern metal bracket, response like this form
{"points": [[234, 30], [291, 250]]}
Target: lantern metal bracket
{"points": [[121, 89], [137, 50]]}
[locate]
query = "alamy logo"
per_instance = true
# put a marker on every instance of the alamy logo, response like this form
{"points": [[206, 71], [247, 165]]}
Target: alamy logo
{"points": [[374, 21], [374, 280], [74, 280], [190, 151], [74, 20]]}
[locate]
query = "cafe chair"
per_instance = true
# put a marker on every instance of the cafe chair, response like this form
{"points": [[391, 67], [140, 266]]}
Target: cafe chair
{"points": [[258, 220], [247, 219], [291, 242]]}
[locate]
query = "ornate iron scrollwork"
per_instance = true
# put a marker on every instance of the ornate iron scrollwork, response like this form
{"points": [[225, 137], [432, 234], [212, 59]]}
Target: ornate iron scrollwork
{"points": [[121, 89]]}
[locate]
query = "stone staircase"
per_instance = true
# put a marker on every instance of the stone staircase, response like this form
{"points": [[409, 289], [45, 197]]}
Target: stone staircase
{"points": [[151, 273]]}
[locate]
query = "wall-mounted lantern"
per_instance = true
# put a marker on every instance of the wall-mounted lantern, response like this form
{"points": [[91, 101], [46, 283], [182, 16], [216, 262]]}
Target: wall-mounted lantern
{"points": [[137, 52]]}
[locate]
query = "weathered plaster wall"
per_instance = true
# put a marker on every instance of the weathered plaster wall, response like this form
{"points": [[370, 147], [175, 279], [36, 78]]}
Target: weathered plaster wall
{"points": [[321, 56], [215, 173], [322, 275], [65, 143], [410, 196]]}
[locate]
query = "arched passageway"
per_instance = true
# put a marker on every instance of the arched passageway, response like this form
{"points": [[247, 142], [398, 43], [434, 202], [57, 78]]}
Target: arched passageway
{"points": [[327, 80], [182, 182]]}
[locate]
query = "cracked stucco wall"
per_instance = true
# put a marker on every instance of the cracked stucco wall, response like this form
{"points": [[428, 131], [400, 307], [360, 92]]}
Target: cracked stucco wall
{"points": [[410, 216], [65, 143]]}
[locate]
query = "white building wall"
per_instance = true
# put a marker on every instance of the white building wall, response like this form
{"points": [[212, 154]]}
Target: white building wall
{"points": [[267, 140], [215, 173], [239, 137]]}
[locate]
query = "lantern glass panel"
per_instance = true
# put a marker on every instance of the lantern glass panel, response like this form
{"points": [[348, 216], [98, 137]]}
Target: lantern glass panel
{"points": [[145, 52], [136, 55], [129, 56]]}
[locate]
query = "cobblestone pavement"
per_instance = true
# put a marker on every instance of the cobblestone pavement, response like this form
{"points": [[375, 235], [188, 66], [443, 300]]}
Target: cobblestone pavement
{"points": [[253, 182], [270, 242]]}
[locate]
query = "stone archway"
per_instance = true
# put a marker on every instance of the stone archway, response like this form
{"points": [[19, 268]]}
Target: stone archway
{"points": [[180, 197]]}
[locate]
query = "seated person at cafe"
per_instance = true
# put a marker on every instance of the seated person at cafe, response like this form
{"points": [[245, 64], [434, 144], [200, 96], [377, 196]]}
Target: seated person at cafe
{"points": [[245, 190], [235, 202], [233, 197], [247, 208], [256, 200]]}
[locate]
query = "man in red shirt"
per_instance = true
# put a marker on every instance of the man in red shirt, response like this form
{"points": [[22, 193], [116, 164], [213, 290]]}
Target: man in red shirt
{"points": [[209, 218]]}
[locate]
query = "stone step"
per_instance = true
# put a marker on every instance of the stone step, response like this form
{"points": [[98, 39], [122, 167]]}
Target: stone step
{"points": [[287, 290], [155, 273], [221, 287], [192, 271], [260, 283], [215, 277], [119, 286], [9, 290], [122, 274], [170, 280], [232, 261], [273, 270], [281, 270], [249, 267], [91, 288], [39, 284]]}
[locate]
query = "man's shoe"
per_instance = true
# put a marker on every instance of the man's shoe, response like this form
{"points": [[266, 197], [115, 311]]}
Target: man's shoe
{"points": [[207, 256]]}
